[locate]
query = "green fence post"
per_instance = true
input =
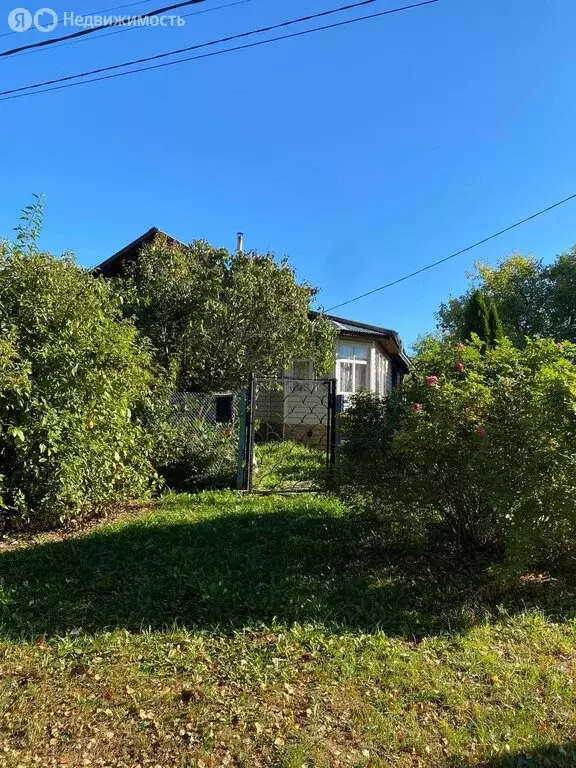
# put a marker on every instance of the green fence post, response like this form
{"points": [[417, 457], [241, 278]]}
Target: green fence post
{"points": [[241, 443]]}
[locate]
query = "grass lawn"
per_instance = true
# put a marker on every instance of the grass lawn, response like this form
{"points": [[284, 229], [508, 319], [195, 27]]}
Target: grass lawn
{"points": [[219, 630], [289, 466]]}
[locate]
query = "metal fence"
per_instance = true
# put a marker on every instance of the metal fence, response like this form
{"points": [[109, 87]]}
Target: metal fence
{"points": [[189, 409], [202, 441], [279, 435], [290, 434]]}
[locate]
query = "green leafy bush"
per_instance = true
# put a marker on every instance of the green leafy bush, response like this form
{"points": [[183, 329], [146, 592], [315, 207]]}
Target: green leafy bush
{"points": [[74, 377], [480, 446], [197, 455], [220, 316]]}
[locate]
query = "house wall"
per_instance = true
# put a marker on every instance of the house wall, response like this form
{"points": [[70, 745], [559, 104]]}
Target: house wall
{"points": [[298, 409], [269, 409], [293, 410], [389, 377]]}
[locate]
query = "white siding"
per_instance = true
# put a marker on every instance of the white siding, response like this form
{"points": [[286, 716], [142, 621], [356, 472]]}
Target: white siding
{"points": [[383, 373], [304, 408], [389, 381], [304, 401]]}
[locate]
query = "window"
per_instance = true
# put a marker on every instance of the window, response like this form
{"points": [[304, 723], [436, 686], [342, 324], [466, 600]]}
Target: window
{"points": [[302, 371], [352, 367], [381, 373]]}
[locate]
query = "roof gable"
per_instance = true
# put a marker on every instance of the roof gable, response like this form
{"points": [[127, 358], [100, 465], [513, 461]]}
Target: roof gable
{"points": [[114, 265]]}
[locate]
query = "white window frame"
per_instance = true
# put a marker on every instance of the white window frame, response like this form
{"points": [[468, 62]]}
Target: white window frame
{"points": [[382, 363], [355, 363]]}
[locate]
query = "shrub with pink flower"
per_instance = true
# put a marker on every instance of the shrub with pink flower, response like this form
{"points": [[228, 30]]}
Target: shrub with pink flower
{"points": [[491, 454]]}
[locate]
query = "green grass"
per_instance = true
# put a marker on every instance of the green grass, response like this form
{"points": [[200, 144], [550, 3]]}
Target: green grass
{"points": [[289, 466], [221, 630]]}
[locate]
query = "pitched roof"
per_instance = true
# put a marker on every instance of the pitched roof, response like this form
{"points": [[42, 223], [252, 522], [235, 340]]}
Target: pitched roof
{"points": [[353, 326], [113, 266], [389, 338]]}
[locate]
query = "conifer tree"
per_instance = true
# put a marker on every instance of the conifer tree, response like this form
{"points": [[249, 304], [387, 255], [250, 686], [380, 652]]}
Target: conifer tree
{"points": [[476, 318], [495, 325]]}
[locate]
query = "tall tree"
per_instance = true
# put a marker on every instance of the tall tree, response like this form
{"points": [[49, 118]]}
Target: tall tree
{"points": [[494, 324], [219, 316], [561, 303], [75, 379], [476, 318], [532, 299]]}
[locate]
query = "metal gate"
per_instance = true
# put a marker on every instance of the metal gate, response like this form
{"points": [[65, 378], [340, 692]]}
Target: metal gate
{"points": [[287, 434]]}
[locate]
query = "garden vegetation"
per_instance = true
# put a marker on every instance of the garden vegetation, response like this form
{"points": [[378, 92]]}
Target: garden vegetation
{"points": [[477, 446], [310, 631], [76, 379]]}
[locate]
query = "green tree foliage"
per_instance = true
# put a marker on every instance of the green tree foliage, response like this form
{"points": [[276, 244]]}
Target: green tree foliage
{"points": [[221, 316], [481, 317], [73, 375], [532, 299], [476, 318], [494, 324], [480, 442], [561, 300]]}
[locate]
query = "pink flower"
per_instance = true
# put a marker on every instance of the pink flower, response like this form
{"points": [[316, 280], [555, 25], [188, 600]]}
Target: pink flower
{"points": [[431, 380], [459, 366], [460, 346], [481, 431], [417, 406]]}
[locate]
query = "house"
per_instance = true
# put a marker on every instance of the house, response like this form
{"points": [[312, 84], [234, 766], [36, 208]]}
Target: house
{"points": [[367, 357], [114, 265]]}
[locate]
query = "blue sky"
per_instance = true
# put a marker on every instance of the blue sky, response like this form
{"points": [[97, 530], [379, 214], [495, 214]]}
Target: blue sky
{"points": [[362, 153]]}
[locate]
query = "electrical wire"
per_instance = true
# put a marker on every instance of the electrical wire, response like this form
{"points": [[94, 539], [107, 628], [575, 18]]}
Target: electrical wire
{"points": [[92, 30], [129, 28], [95, 13], [15, 93], [199, 45], [453, 255]]}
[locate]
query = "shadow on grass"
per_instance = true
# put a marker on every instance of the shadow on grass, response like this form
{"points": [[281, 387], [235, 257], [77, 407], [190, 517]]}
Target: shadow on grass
{"points": [[552, 756], [236, 569]]}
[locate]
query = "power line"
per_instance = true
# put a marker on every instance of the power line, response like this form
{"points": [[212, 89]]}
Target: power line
{"points": [[453, 255], [130, 28], [94, 13], [17, 92], [92, 30], [119, 7], [190, 48]]}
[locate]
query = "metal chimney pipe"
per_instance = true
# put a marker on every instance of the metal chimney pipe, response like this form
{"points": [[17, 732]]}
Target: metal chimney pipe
{"points": [[240, 242]]}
